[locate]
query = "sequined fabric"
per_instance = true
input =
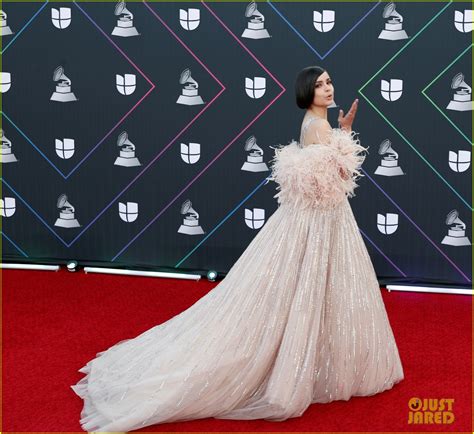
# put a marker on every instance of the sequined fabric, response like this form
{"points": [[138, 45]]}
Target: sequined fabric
{"points": [[299, 319]]}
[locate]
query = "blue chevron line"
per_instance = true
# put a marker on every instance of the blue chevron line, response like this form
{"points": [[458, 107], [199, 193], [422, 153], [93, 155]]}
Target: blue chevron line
{"points": [[14, 244]]}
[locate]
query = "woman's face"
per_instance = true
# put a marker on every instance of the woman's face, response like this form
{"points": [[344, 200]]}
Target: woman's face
{"points": [[323, 90]]}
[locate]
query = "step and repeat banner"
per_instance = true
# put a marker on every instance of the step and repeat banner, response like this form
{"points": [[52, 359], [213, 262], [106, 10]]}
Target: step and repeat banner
{"points": [[139, 134]]}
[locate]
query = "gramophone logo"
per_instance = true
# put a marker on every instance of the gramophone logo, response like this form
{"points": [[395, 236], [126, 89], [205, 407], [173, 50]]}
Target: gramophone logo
{"points": [[189, 92], [190, 224], [126, 84], [7, 206], [65, 148], [4, 29], [124, 27], [127, 157], [191, 153], [325, 21], [255, 24], [391, 90], [387, 224], [189, 18], [61, 18], [254, 161], [6, 155], [457, 231], [66, 214], [459, 161], [463, 21], [393, 30], [461, 100], [128, 212], [63, 91], [254, 218], [6, 82], [255, 88], [389, 164]]}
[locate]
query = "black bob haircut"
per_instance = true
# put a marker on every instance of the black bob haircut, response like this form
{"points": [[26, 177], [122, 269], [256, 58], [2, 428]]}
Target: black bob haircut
{"points": [[304, 85]]}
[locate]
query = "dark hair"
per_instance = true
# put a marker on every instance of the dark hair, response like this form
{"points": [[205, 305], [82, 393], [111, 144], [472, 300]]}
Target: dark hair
{"points": [[304, 85]]}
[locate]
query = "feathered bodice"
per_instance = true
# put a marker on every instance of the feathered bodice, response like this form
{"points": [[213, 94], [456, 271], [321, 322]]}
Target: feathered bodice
{"points": [[318, 175]]}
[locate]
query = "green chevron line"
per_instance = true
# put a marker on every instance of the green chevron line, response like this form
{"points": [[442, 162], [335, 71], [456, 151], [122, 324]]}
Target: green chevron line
{"points": [[436, 106], [469, 206]]}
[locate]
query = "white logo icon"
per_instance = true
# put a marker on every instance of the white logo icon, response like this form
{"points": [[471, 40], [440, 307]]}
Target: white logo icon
{"points": [[61, 18], [190, 224], [127, 156], [65, 148], [255, 218], [255, 88], [459, 161], [128, 212], [66, 217], [126, 84], [461, 100], [387, 224], [6, 155], [63, 92], [190, 18], [256, 23], [325, 21], [254, 161], [391, 90], [4, 29], [189, 92], [191, 153], [393, 26], [456, 232], [463, 21], [6, 82], [124, 27], [389, 164], [7, 206]]}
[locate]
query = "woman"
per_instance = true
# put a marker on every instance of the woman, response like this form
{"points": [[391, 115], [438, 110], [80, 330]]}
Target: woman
{"points": [[299, 318]]}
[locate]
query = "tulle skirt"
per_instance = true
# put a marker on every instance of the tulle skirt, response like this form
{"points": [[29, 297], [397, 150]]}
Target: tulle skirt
{"points": [[299, 319]]}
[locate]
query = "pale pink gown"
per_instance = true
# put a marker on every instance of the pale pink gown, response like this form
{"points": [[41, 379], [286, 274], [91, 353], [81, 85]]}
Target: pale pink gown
{"points": [[299, 318]]}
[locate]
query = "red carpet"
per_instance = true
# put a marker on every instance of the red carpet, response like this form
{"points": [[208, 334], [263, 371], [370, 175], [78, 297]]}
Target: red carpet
{"points": [[55, 322]]}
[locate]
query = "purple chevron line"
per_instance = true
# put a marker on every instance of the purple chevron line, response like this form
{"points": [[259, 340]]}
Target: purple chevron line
{"points": [[132, 109], [283, 90], [417, 227]]}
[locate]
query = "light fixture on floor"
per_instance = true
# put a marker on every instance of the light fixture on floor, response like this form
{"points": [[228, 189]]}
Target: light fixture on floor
{"points": [[462, 291]]}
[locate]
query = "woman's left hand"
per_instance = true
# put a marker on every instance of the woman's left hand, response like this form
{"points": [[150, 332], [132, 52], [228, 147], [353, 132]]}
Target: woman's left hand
{"points": [[345, 122]]}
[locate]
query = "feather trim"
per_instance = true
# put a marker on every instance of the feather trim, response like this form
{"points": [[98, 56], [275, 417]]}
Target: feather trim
{"points": [[313, 176]]}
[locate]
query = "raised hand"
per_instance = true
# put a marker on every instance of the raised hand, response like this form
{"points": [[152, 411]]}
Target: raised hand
{"points": [[345, 122]]}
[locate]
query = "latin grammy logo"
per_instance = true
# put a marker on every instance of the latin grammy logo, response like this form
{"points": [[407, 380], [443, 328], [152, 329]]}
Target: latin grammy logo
{"points": [[255, 88], [190, 224], [189, 92], [124, 27], [6, 155], [7, 206], [463, 21], [4, 28], [128, 212], [254, 161], [325, 21], [190, 18], [63, 91], [127, 156], [61, 18], [66, 215], [461, 100], [256, 23], [387, 224], [191, 153], [393, 26], [391, 90], [457, 231], [5, 82], [65, 148], [254, 218], [389, 163]]}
